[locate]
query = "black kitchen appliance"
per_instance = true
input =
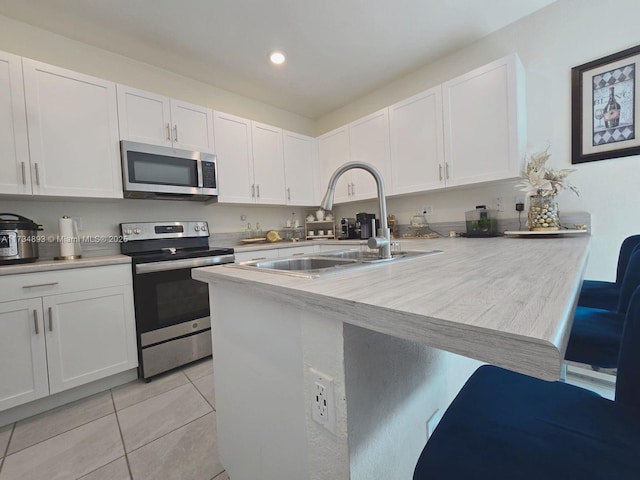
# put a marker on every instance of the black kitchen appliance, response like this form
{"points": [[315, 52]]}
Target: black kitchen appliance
{"points": [[172, 310], [348, 229], [18, 239], [364, 221]]}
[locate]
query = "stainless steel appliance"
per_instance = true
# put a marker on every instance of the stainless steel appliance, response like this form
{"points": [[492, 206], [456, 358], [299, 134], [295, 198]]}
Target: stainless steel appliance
{"points": [[348, 229], [364, 221], [18, 239], [172, 310], [152, 171]]}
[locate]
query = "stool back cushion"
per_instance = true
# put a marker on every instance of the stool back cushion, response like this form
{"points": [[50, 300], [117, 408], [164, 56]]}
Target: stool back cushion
{"points": [[628, 246], [628, 376], [631, 281]]}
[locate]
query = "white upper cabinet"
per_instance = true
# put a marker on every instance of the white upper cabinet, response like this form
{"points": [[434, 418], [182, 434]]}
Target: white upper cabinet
{"points": [[484, 118], [268, 164], [235, 158], [333, 151], [72, 121], [14, 147], [369, 143], [300, 172], [151, 118], [250, 161], [417, 143]]}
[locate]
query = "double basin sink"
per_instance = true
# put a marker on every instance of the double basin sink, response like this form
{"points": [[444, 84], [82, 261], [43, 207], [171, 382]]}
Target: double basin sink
{"points": [[314, 266]]}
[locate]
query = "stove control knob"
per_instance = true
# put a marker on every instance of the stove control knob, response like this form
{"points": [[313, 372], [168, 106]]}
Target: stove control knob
{"points": [[203, 228], [197, 228], [137, 231], [126, 231]]}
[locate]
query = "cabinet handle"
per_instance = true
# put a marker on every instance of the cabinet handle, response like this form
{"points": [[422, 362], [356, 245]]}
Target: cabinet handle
{"points": [[298, 254], [40, 285], [253, 190], [175, 130], [35, 321], [24, 174], [258, 190], [348, 189], [169, 131], [50, 320], [288, 193], [440, 171], [37, 175], [447, 169], [353, 189], [259, 258]]}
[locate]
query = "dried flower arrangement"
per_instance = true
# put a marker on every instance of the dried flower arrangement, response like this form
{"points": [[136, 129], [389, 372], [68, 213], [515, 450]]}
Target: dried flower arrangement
{"points": [[537, 179]]}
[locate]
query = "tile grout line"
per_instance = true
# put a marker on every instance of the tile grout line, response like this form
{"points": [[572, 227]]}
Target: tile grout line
{"points": [[124, 447], [164, 435], [201, 394], [6, 449]]}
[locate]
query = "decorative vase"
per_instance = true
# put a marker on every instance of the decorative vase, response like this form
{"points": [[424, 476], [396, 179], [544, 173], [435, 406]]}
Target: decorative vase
{"points": [[543, 213]]}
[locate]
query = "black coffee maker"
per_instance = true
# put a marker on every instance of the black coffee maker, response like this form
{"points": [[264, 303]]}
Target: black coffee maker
{"points": [[364, 222], [348, 229]]}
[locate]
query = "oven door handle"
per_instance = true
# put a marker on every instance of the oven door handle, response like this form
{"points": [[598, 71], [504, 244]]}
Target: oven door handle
{"points": [[152, 267]]}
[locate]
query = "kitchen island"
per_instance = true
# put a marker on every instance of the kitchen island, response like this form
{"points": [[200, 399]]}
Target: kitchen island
{"points": [[397, 340]]}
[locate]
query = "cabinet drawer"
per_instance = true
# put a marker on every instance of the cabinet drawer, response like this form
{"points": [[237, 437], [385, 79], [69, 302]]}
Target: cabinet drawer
{"points": [[256, 255], [296, 251], [42, 284]]}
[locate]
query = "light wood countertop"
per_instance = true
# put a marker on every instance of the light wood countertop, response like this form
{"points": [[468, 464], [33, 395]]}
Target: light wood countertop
{"points": [[506, 301]]}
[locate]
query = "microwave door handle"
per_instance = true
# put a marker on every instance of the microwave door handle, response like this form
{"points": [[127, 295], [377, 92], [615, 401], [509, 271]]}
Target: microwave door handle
{"points": [[200, 180]]}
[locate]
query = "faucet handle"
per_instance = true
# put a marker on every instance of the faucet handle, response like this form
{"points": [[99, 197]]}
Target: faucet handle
{"points": [[377, 242]]}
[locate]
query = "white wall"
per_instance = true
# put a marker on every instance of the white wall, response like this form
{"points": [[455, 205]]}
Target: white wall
{"points": [[550, 42]]}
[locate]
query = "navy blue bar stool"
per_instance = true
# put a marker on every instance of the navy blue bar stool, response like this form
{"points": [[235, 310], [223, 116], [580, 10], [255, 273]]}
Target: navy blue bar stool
{"points": [[596, 333], [605, 295], [504, 425]]}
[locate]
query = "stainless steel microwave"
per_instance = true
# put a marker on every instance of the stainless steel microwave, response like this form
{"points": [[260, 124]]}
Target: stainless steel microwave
{"points": [[153, 171]]}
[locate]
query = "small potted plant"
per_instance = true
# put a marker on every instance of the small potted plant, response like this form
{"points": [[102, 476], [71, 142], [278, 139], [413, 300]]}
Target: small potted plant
{"points": [[542, 185]]}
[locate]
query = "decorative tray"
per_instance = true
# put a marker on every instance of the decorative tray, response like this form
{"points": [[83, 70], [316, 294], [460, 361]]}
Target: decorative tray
{"points": [[254, 240], [527, 233]]}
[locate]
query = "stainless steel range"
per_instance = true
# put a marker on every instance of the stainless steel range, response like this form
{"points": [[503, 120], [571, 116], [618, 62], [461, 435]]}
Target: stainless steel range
{"points": [[172, 310]]}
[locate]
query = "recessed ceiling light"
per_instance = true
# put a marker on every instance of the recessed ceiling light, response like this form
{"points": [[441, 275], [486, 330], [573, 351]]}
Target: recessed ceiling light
{"points": [[277, 58]]}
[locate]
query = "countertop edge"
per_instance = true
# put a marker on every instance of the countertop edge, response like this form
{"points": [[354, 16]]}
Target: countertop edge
{"points": [[46, 265]]}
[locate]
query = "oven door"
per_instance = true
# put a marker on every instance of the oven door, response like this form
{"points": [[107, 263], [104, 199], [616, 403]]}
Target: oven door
{"points": [[169, 304]]}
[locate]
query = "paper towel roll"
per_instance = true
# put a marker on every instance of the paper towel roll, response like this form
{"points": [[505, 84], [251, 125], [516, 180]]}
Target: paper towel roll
{"points": [[69, 240]]}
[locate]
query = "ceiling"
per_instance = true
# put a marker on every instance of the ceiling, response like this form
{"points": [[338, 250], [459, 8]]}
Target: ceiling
{"points": [[337, 50]]}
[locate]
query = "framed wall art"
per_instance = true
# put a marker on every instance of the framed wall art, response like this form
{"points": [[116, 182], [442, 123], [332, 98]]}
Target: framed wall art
{"points": [[604, 104]]}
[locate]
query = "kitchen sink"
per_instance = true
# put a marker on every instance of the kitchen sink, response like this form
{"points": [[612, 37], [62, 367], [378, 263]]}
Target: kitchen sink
{"points": [[314, 266]]}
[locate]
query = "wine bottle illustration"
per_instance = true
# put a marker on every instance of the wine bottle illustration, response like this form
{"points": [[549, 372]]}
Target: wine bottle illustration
{"points": [[612, 110]]}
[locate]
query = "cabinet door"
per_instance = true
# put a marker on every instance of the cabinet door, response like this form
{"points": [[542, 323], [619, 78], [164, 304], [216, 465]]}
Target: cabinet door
{"points": [[23, 362], [300, 169], [251, 255], [72, 121], [90, 335], [14, 149], [234, 151], [268, 164], [484, 123], [333, 151], [417, 151], [192, 126], [369, 143], [144, 116]]}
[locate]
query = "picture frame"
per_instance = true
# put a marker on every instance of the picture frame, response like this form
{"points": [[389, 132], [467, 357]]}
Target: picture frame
{"points": [[605, 102]]}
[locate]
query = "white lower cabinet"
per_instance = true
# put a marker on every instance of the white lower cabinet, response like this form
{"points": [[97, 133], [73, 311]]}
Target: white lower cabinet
{"points": [[23, 357], [59, 338]]}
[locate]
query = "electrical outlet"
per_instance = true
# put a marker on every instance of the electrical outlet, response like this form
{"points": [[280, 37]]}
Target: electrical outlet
{"points": [[322, 400], [499, 204], [427, 210]]}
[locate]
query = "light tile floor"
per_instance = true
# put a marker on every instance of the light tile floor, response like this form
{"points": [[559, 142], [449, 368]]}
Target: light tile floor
{"points": [[161, 430]]}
